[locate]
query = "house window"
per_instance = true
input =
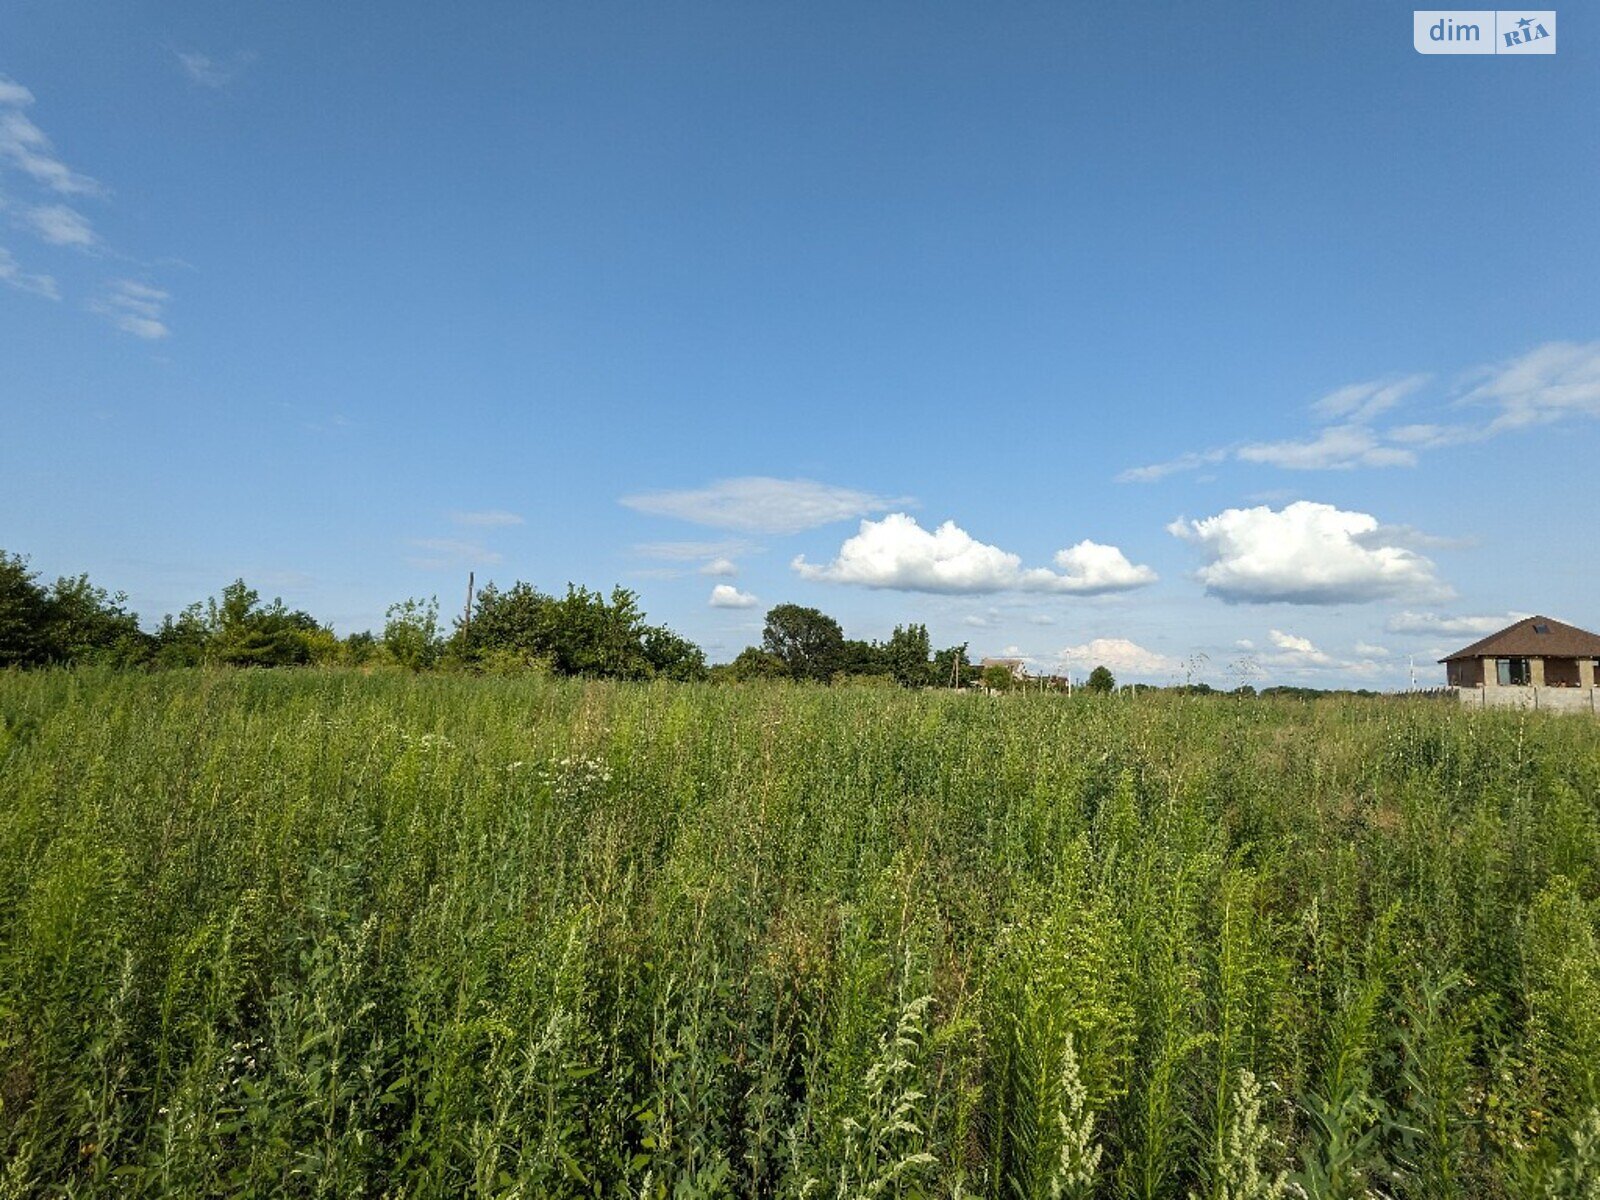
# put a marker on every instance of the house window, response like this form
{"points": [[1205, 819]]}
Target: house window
{"points": [[1512, 672], [1541, 629]]}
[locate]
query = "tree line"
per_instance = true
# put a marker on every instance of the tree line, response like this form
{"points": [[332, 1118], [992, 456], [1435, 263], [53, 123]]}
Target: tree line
{"points": [[72, 622], [512, 629]]}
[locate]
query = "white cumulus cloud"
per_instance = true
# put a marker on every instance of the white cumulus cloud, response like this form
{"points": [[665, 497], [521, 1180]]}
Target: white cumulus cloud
{"points": [[725, 595], [1090, 567], [1306, 553], [759, 504], [1294, 650], [1295, 655], [898, 553], [1120, 656]]}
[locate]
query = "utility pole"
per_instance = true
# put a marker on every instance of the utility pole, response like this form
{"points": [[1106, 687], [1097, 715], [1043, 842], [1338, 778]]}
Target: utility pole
{"points": [[466, 623]]}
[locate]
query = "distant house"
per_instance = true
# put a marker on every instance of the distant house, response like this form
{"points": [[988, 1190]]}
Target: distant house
{"points": [[1018, 667], [1535, 663]]}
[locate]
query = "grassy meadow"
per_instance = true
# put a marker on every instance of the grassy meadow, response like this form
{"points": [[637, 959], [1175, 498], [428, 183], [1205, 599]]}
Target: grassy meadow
{"points": [[321, 933]]}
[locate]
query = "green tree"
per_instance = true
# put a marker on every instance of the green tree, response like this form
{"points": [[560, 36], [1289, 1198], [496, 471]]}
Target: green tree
{"points": [[89, 624], [810, 643], [595, 637], [411, 633], [952, 667], [860, 658], [360, 648], [998, 678], [72, 621], [244, 633], [753, 663], [1100, 680], [511, 628], [671, 656], [907, 654], [183, 640], [581, 633], [24, 614]]}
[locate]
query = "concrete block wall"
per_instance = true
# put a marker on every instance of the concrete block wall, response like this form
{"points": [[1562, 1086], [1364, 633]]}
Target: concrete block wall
{"points": [[1544, 699]]}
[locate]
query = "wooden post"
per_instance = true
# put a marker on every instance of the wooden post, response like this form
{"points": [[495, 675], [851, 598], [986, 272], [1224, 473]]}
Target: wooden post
{"points": [[466, 624]]}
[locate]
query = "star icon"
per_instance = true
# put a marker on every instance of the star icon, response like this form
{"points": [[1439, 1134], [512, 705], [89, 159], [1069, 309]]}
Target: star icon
{"points": [[1525, 22]]}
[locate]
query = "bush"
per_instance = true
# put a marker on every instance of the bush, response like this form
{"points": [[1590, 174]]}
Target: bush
{"points": [[411, 633]]}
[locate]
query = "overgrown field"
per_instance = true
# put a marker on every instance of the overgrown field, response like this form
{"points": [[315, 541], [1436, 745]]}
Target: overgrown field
{"points": [[326, 934]]}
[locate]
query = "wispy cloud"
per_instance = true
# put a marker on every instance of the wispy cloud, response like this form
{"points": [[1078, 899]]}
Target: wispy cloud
{"points": [[493, 518], [204, 69], [1359, 403], [26, 148], [208, 71], [38, 178], [1336, 448], [759, 504], [718, 559], [1550, 383], [688, 552], [897, 553], [445, 553], [1191, 461], [12, 275], [60, 226], [1429, 624], [133, 307]]}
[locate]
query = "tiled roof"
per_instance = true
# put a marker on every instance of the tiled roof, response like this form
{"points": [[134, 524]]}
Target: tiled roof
{"points": [[1534, 637]]}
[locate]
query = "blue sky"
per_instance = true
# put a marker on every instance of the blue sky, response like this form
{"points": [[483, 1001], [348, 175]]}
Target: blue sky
{"points": [[1242, 331]]}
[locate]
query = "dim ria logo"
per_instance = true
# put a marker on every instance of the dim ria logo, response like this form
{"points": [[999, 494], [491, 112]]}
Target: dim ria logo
{"points": [[1483, 31]]}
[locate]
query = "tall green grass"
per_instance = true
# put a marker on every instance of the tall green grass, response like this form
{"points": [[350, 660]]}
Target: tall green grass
{"points": [[326, 934]]}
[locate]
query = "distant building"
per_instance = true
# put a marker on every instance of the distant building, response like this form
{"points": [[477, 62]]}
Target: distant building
{"points": [[1535, 663], [1018, 667]]}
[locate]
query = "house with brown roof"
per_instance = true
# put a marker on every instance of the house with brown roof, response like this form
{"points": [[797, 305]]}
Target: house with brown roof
{"points": [[1535, 663]]}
